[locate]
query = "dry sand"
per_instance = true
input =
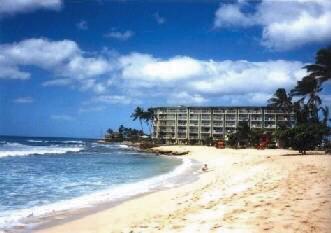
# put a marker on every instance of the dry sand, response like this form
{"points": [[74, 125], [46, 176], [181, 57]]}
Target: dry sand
{"points": [[244, 191]]}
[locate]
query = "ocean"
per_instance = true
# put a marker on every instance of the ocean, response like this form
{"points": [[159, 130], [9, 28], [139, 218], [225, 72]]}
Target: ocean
{"points": [[40, 177]]}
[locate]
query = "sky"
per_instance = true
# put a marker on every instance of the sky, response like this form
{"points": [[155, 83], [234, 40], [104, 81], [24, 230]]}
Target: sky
{"points": [[75, 68]]}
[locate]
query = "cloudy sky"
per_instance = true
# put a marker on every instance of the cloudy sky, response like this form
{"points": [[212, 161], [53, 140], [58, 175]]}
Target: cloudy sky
{"points": [[76, 68]]}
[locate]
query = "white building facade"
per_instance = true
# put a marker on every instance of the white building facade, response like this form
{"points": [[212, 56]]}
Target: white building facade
{"points": [[185, 124]]}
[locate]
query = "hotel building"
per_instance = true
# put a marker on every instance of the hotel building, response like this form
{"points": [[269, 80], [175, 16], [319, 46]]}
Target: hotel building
{"points": [[180, 124]]}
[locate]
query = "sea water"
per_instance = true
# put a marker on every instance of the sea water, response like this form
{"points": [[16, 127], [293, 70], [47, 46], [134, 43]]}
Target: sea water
{"points": [[43, 176]]}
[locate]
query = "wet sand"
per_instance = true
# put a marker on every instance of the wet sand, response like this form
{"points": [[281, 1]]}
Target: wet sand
{"points": [[243, 191]]}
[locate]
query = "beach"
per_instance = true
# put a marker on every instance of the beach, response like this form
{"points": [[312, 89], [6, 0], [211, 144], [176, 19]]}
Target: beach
{"points": [[243, 190]]}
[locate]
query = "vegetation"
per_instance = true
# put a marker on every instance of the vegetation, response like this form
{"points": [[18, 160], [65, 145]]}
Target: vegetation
{"points": [[280, 99], [138, 115], [312, 119], [143, 116], [312, 128], [123, 134], [244, 136]]}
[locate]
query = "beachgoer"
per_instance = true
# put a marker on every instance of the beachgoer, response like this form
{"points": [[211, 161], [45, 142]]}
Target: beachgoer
{"points": [[204, 168]]}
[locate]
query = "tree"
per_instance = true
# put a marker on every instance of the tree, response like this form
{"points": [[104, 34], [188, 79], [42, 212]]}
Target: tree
{"points": [[280, 99], [306, 136], [110, 131], [138, 114], [242, 137], [148, 117], [309, 88], [321, 70], [326, 113]]}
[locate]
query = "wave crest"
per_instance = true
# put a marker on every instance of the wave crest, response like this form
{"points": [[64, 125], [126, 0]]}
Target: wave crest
{"points": [[17, 149]]}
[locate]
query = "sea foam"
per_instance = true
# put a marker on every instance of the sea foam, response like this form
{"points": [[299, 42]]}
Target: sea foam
{"points": [[122, 192], [17, 149]]}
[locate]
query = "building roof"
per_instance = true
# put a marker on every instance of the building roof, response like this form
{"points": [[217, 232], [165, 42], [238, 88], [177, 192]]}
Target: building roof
{"points": [[215, 107]]}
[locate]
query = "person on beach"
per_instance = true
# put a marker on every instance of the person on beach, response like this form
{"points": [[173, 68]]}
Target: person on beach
{"points": [[204, 168]]}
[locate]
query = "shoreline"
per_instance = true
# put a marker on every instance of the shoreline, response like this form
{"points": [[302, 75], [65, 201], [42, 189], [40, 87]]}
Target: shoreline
{"points": [[174, 178], [76, 214], [241, 184]]}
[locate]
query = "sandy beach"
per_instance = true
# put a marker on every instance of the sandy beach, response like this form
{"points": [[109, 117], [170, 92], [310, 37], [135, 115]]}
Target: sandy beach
{"points": [[243, 191]]}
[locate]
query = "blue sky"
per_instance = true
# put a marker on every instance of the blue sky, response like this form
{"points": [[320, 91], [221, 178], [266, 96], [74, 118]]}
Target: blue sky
{"points": [[76, 68]]}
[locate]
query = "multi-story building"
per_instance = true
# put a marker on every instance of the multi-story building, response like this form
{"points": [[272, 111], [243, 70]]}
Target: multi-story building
{"points": [[182, 124]]}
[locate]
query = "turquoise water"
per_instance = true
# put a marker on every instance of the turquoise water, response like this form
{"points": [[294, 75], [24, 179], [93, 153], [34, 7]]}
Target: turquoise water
{"points": [[41, 175]]}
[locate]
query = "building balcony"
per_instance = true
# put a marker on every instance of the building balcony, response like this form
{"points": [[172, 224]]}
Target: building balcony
{"points": [[167, 125], [217, 131], [218, 118], [218, 111], [167, 129], [167, 135], [206, 132], [205, 136], [194, 117], [244, 111], [217, 136], [270, 126], [181, 136], [195, 111], [169, 118], [230, 119], [269, 111], [256, 111], [231, 111], [194, 131]]}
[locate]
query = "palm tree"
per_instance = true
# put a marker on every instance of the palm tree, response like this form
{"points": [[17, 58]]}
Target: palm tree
{"points": [[309, 86], [138, 114], [148, 117], [326, 113], [280, 99], [321, 70]]}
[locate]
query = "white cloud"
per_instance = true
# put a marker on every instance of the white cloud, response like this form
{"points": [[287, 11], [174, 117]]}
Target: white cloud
{"points": [[241, 77], [63, 58], [9, 71], [159, 19], [15, 6], [125, 35], [184, 98], [148, 68], [24, 100], [62, 117], [285, 24], [57, 82], [184, 80], [82, 25], [113, 99], [136, 77], [230, 14], [92, 109]]}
